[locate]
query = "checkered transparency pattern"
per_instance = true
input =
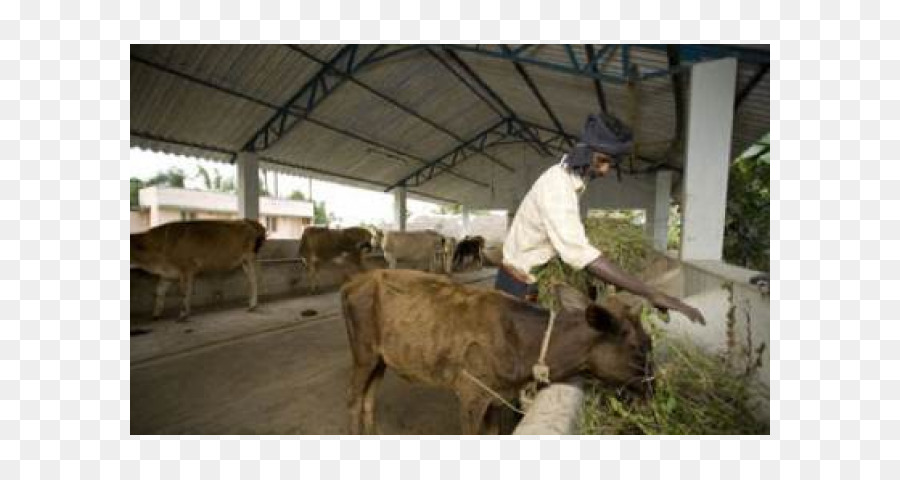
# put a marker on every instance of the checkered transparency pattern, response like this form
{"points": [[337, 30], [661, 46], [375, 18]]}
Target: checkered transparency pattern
{"points": [[64, 115]]}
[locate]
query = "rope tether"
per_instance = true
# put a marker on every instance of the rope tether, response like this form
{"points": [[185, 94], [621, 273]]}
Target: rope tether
{"points": [[539, 371]]}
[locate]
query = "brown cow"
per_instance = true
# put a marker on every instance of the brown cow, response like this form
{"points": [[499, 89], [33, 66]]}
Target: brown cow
{"points": [[321, 244], [425, 249], [432, 330], [180, 250]]}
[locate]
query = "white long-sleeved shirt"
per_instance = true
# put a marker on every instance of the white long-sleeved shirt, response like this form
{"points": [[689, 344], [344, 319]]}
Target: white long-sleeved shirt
{"points": [[548, 223]]}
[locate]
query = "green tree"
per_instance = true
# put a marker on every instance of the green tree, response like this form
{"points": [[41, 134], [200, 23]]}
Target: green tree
{"points": [[136, 184], [673, 239], [747, 212], [173, 177], [297, 195], [320, 213], [450, 209], [215, 182]]}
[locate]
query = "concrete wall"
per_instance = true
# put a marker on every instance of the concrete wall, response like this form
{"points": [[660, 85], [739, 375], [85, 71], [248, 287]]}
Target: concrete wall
{"points": [[289, 228], [279, 275], [714, 287], [139, 220]]}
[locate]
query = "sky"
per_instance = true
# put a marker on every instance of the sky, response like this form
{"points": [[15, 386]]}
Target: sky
{"points": [[351, 205]]}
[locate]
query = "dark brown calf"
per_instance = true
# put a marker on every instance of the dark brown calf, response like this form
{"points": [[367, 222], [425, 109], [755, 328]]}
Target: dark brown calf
{"points": [[469, 249], [432, 330]]}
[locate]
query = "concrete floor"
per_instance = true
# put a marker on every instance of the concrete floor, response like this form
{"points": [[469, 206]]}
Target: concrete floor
{"points": [[272, 371]]}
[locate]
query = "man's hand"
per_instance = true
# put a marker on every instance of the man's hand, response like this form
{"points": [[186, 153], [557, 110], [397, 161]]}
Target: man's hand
{"points": [[607, 271], [665, 302]]}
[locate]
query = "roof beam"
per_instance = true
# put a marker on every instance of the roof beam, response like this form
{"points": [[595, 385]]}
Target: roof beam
{"points": [[200, 81], [374, 143], [537, 93], [509, 111], [699, 53], [516, 55], [458, 154], [465, 82], [273, 106], [409, 111], [308, 97], [673, 55], [534, 141], [757, 77], [592, 64]]}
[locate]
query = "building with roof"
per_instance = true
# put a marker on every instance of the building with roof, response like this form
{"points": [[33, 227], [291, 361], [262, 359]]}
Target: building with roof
{"points": [[158, 205]]}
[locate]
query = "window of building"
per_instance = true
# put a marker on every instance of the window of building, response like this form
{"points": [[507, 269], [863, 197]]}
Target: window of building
{"points": [[271, 223], [186, 215]]}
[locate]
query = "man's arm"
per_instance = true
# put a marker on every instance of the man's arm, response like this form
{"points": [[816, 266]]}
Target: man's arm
{"points": [[606, 270]]}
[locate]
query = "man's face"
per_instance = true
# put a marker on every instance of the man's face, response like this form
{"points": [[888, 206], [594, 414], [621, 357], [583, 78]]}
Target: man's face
{"points": [[600, 164]]}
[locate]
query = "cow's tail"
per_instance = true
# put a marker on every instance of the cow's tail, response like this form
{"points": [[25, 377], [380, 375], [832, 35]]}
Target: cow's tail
{"points": [[260, 235]]}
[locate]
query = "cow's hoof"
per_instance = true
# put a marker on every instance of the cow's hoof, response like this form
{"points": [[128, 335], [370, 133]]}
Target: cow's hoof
{"points": [[182, 319]]}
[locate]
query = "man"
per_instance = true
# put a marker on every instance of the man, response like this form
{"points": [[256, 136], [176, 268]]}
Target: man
{"points": [[548, 222]]}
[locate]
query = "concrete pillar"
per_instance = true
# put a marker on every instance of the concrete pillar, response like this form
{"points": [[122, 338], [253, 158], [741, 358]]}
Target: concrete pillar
{"points": [[658, 215], [248, 185], [707, 157], [465, 220], [400, 208]]}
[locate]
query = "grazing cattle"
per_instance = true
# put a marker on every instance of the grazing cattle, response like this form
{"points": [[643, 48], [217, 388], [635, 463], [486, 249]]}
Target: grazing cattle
{"points": [[181, 250], [469, 249], [432, 330], [321, 244], [426, 249]]}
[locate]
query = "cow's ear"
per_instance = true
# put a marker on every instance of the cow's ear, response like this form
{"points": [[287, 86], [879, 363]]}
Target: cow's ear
{"points": [[569, 298], [601, 319]]}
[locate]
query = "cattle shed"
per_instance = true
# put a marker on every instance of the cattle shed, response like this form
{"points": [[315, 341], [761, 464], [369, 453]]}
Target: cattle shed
{"points": [[467, 124], [473, 125]]}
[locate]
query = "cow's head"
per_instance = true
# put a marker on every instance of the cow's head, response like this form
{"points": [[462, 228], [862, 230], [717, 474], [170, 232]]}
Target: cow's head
{"points": [[620, 351], [377, 238]]}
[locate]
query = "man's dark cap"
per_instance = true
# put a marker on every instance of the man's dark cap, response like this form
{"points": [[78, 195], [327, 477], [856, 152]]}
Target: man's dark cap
{"points": [[607, 134]]}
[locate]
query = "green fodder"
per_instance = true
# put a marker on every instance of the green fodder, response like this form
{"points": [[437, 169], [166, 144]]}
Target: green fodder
{"points": [[694, 393], [617, 239]]}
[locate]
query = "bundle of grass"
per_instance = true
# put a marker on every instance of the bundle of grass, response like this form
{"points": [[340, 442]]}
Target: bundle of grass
{"points": [[617, 238], [694, 393]]}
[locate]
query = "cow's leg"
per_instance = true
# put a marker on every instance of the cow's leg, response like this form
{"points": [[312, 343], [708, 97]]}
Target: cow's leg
{"points": [[369, 401], [472, 408], [391, 260], [359, 380], [492, 420], [160, 301], [249, 267], [187, 289], [314, 274]]}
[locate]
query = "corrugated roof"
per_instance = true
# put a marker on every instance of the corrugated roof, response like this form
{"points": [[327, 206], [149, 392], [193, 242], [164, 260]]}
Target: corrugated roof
{"points": [[399, 113]]}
